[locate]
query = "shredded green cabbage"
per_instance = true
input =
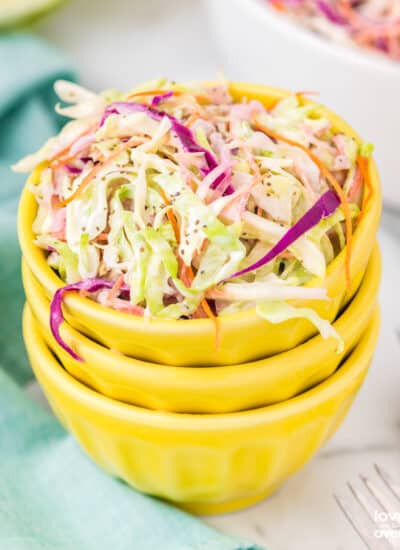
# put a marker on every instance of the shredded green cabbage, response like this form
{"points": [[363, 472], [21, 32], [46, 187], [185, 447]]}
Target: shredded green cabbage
{"points": [[279, 312], [170, 195]]}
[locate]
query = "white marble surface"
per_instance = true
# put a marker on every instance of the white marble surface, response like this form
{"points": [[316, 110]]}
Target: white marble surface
{"points": [[122, 42]]}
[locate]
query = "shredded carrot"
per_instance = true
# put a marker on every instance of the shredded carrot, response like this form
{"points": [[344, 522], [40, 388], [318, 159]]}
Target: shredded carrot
{"points": [[61, 153], [115, 289], [333, 182], [95, 170], [358, 179], [204, 302], [208, 311], [102, 237], [278, 5], [259, 211], [192, 185], [161, 92], [286, 255], [170, 215], [127, 307], [62, 162], [186, 272], [145, 93], [189, 276], [174, 223], [205, 305], [362, 165]]}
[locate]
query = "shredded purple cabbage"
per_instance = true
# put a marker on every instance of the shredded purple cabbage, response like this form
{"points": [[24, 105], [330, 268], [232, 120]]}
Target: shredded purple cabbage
{"points": [[326, 205], [184, 134], [158, 98], [330, 13], [73, 169], [56, 314], [324, 7]]}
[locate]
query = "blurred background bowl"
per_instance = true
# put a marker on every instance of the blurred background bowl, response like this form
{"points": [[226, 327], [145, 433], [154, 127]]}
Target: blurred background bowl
{"points": [[257, 43], [204, 463]]}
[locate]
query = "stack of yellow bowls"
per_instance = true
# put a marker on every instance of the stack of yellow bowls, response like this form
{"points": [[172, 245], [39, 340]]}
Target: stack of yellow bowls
{"points": [[156, 404]]}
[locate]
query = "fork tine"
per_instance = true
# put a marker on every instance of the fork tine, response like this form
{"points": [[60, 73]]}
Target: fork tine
{"points": [[381, 498], [388, 481], [371, 542], [364, 502], [369, 504]]}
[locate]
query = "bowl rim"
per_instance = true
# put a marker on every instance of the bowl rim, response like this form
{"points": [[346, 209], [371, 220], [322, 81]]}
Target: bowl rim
{"points": [[205, 374], [89, 308], [83, 397], [352, 55]]}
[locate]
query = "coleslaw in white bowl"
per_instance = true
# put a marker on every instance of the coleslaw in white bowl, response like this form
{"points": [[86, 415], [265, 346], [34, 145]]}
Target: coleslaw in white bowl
{"points": [[361, 85]]}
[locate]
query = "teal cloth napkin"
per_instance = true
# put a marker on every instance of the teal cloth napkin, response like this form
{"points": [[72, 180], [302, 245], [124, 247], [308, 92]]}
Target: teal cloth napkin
{"points": [[28, 68], [51, 496]]}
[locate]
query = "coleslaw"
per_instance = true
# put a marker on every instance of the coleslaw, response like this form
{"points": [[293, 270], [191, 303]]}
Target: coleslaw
{"points": [[372, 24], [176, 202]]}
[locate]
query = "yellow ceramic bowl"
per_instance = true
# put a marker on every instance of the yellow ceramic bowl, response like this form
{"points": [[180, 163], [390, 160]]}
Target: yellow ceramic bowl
{"points": [[244, 336], [206, 463], [208, 389]]}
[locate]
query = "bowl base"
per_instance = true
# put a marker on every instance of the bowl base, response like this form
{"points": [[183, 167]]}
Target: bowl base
{"points": [[215, 508]]}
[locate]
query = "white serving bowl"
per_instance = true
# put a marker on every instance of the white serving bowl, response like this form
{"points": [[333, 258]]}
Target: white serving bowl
{"points": [[258, 44]]}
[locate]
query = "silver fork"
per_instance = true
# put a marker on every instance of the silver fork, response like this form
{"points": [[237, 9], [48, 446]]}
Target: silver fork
{"points": [[372, 506]]}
